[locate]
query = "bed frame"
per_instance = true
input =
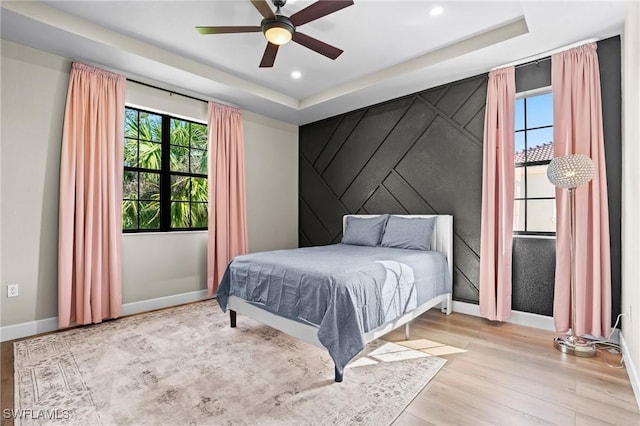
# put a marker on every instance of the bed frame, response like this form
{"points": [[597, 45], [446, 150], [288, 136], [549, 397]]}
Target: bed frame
{"points": [[442, 242]]}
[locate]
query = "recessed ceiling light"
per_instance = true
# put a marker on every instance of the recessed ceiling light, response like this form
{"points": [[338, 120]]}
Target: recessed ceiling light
{"points": [[296, 74], [437, 11]]}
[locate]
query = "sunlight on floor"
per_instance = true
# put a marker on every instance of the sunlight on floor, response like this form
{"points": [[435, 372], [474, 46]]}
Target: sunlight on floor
{"points": [[389, 352], [405, 349], [430, 347]]}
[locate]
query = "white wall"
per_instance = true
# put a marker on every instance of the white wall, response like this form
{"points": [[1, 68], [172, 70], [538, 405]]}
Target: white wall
{"points": [[271, 168], [631, 193], [34, 85]]}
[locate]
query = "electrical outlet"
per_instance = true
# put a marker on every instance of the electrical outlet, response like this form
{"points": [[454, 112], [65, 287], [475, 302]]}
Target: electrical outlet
{"points": [[12, 290]]}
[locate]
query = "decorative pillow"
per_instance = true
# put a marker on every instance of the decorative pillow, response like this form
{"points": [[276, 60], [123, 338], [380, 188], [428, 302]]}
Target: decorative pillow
{"points": [[409, 233], [362, 231]]}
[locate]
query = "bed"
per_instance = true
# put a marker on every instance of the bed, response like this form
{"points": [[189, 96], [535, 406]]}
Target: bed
{"points": [[342, 296]]}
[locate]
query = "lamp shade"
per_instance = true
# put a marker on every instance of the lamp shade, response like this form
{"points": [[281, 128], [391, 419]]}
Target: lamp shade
{"points": [[571, 171]]}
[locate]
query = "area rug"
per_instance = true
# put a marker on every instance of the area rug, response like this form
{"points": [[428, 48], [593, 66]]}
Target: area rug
{"points": [[186, 366]]}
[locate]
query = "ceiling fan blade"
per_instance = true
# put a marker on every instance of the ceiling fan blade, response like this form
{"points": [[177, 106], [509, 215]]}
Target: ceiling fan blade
{"points": [[317, 45], [317, 10], [227, 30], [263, 8], [269, 56]]}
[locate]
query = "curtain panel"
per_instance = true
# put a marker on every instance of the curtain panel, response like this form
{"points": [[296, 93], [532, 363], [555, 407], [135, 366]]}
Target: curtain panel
{"points": [[577, 116], [90, 209], [496, 234], [227, 200]]}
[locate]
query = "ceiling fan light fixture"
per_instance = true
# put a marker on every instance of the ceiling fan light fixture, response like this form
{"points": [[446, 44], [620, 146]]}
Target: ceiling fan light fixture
{"points": [[279, 30]]}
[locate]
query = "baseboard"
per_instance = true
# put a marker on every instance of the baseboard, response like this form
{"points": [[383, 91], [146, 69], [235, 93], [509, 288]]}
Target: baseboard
{"points": [[527, 319], [522, 318], [163, 302], [25, 329], [632, 371]]}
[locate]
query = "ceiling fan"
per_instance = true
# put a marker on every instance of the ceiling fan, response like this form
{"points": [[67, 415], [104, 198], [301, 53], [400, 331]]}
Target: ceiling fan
{"points": [[279, 29]]}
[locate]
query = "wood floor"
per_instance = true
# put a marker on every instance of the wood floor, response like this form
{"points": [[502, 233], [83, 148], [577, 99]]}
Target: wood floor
{"points": [[6, 380], [509, 375], [512, 375]]}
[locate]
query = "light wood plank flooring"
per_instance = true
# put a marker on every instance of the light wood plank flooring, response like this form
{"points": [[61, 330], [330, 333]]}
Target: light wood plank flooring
{"points": [[512, 375], [509, 375]]}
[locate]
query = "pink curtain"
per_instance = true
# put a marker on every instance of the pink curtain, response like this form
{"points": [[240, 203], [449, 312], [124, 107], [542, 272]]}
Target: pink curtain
{"points": [[496, 235], [90, 211], [577, 115], [227, 201]]}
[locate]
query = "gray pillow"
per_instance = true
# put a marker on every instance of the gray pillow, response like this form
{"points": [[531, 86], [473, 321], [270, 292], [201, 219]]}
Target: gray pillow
{"points": [[409, 233], [361, 231]]}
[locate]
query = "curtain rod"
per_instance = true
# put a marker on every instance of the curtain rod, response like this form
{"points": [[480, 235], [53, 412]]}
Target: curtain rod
{"points": [[544, 55], [536, 61], [172, 92]]}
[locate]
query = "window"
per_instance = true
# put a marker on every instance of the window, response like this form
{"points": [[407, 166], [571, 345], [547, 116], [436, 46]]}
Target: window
{"points": [[165, 173], [534, 203]]}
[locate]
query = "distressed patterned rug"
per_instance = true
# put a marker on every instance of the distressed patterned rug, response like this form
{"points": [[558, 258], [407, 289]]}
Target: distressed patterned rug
{"points": [[185, 365]]}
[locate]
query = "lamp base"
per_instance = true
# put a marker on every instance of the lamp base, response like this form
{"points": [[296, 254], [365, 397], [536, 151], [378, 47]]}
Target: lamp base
{"points": [[574, 345]]}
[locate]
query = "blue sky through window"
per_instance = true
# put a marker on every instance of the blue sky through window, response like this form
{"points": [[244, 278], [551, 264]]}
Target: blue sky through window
{"points": [[539, 112]]}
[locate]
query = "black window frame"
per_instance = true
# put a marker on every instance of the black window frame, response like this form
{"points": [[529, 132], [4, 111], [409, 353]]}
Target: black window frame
{"points": [[165, 174], [524, 96]]}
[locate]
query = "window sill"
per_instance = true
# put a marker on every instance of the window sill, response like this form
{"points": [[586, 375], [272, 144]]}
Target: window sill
{"points": [[143, 234], [543, 237]]}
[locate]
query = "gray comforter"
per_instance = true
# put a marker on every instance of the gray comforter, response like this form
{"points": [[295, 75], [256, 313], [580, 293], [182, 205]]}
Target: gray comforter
{"points": [[344, 290]]}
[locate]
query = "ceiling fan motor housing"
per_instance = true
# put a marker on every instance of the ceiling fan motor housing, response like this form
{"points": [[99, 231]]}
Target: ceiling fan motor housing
{"points": [[278, 21]]}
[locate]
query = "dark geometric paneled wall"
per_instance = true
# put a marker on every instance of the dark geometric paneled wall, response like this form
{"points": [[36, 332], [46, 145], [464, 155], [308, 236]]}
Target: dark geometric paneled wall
{"points": [[609, 59], [420, 154]]}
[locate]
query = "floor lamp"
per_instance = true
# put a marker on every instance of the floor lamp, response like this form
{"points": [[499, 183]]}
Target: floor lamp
{"points": [[569, 172]]}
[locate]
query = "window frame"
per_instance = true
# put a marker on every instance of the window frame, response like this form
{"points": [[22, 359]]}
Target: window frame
{"points": [[165, 173], [524, 95]]}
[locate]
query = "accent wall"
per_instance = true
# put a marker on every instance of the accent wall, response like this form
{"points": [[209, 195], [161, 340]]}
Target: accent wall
{"points": [[422, 154]]}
